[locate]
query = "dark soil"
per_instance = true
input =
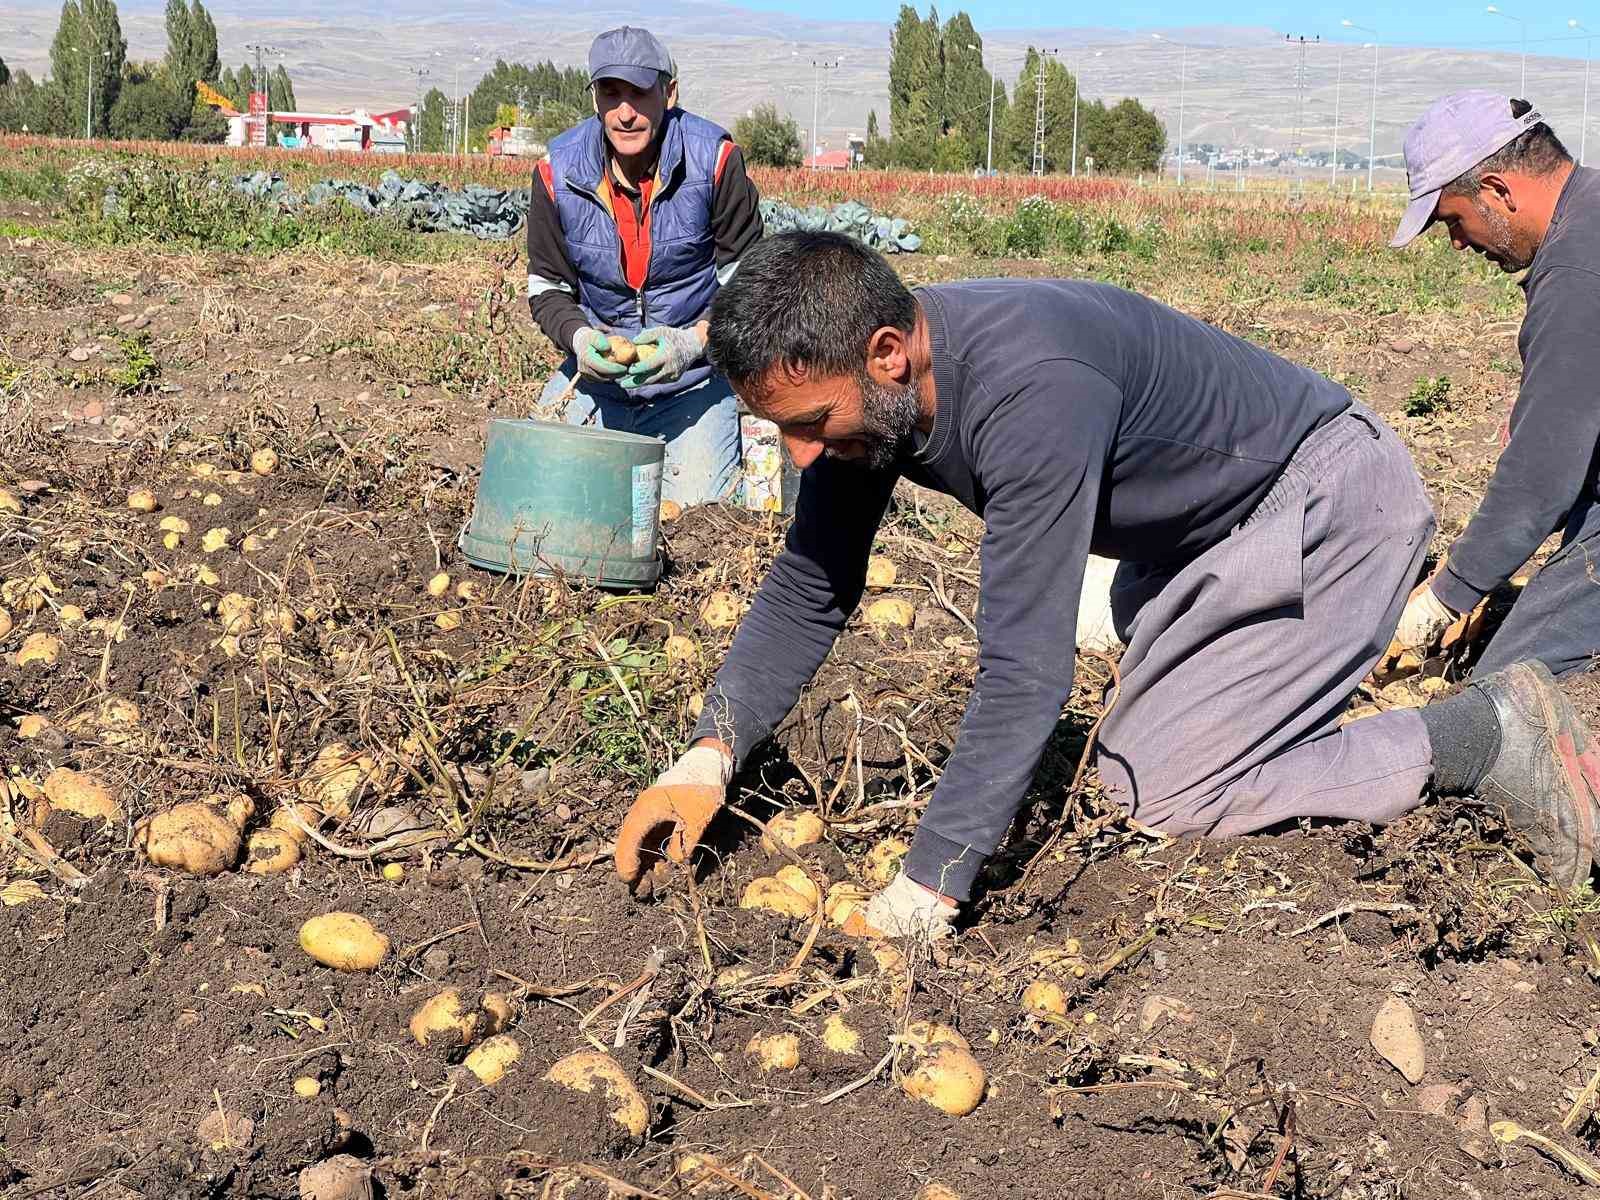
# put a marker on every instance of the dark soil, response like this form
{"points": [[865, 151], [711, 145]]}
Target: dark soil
{"points": [[1220, 995]]}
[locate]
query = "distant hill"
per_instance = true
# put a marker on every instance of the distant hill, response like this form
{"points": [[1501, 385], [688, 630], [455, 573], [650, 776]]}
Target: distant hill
{"points": [[1241, 86]]}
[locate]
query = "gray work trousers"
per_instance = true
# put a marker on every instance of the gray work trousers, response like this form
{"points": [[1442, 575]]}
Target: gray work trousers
{"points": [[1240, 662]]}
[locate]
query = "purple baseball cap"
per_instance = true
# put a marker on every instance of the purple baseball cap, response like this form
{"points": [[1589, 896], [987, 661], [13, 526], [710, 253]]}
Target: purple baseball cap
{"points": [[629, 54], [1454, 135]]}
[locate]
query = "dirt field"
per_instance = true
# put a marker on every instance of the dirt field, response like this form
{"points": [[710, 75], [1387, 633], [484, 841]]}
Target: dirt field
{"points": [[164, 1035]]}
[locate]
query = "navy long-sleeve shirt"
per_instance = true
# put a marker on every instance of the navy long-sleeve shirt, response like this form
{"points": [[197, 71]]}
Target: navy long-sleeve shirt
{"points": [[1071, 417], [1555, 426]]}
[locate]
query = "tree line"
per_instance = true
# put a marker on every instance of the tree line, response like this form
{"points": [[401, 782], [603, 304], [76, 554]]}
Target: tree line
{"points": [[543, 97], [94, 89]]}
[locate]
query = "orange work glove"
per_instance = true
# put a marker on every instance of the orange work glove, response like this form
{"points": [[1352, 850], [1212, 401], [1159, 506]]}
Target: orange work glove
{"points": [[670, 817]]}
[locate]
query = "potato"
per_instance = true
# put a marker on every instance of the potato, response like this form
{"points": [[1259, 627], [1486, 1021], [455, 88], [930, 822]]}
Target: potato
{"points": [[798, 881], [38, 648], [469, 591], [307, 1087], [237, 614], [143, 500], [671, 510], [730, 978], [271, 852], [81, 794], [439, 584], [681, 649], [251, 544], [948, 1078], [6, 623], [448, 621], [32, 725], [721, 610], [774, 1051], [9, 502], [335, 776], [844, 901], [498, 1012], [890, 612], [884, 859], [393, 872], [444, 1018], [621, 350], [1044, 997], [647, 354], [282, 823], [881, 572], [342, 1177], [925, 1035], [215, 539], [212, 500], [794, 829], [264, 461], [175, 525], [774, 896], [207, 577], [194, 837], [20, 891], [70, 615], [838, 1036], [936, 1191], [344, 942], [586, 1070]]}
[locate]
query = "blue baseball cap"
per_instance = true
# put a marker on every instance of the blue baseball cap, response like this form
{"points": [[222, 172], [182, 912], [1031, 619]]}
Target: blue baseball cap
{"points": [[632, 55], [1454, 135]]}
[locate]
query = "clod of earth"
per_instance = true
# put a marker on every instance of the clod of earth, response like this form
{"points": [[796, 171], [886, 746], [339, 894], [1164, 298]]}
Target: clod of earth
{"points": [[1158, 1008], [194, 836], [838, 1036], [769, 894], [344, 941], [881, 572], [587, 1070], [721, 610], [947, 1077], [774, 1051], [143, 500], [226, 1130], [42, 649], [1396, 1037], [891, 612], [81, 794], [794, 829], [342, 1177], [1045, 997], [264, 461]]}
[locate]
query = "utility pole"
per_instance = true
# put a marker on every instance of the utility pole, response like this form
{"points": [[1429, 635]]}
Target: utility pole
{"points": [[1183, 80], [1338, 84], [1372, 128], [259, 85], [1077, 87], [817, 68], [416, 116], [1500, 13], [1300, 109], [1038, 113]]}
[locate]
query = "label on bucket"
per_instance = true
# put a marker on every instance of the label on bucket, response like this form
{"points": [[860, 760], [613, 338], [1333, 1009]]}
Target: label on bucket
{"points": [[646, 508]]}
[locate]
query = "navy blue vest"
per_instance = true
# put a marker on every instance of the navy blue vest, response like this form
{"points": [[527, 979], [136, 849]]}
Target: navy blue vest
{"points": [[682, 276]]}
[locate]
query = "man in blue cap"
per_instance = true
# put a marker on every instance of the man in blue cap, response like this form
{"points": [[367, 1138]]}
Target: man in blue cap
{"points": [[1499, 180], [638, 215]]}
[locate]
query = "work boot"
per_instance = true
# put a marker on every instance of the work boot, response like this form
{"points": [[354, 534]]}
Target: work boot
{"points": [[1547, 774]]}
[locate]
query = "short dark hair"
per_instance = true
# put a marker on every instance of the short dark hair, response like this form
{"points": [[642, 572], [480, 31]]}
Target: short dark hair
{"points": [[1535, 151], [807, 302]]}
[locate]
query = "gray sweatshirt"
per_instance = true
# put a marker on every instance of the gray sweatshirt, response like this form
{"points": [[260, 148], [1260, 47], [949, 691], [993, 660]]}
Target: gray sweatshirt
{"points": [[1550, 460], [1071, 417]]}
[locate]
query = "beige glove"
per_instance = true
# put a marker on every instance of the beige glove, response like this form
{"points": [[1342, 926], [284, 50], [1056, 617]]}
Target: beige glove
{"points": [[671, 816], [1423, 622], [907, 909]]}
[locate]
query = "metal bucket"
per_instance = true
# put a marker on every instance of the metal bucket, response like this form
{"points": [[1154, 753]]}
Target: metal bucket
{"points": [[561, 499]]}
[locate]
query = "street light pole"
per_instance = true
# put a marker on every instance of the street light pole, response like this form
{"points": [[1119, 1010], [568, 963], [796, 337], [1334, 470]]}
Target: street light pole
{"points": [[1497, 12], [817, 68], [1588, 51], [1338, 87], [1183, 79], [1372, 127]]}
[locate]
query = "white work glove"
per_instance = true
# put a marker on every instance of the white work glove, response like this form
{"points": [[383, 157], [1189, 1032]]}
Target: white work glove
{"points": [[1423, 622], [907, 909], [672, 814], [593, 353], [705, 766], [1096, 629]]}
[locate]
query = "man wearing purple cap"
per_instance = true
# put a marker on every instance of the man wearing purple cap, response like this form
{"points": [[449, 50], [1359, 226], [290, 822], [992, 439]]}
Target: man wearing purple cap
{"points": [[1499, 180], [637, 216]]}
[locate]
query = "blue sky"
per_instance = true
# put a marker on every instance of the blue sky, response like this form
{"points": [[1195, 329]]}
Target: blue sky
{"points": [[1464, 25]]}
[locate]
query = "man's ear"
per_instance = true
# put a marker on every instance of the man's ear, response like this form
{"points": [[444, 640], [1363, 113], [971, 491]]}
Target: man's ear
{"points": [[889, 355], [1496, 189], [672, 94]]}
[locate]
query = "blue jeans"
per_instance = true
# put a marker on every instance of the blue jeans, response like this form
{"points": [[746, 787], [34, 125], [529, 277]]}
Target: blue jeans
{"points": [[700, 427], [1556, 620]]}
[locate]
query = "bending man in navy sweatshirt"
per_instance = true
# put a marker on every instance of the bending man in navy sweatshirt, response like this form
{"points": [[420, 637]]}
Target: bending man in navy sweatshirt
{"points": [[1269, 529]]}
